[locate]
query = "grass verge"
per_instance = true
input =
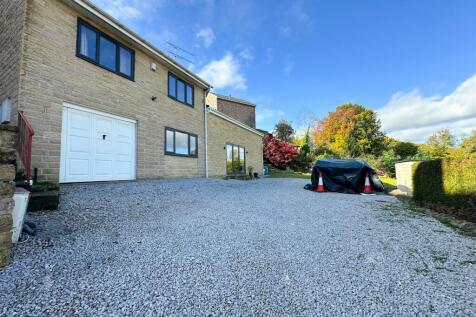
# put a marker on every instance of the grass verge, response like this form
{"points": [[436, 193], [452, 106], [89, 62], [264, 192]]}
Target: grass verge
{"points": [[461, 226], [284, 174]]}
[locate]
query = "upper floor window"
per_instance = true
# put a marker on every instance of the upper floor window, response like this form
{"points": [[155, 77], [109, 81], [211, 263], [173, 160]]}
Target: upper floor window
{"points": [[180, 143], [180, 90], [99, 49]]}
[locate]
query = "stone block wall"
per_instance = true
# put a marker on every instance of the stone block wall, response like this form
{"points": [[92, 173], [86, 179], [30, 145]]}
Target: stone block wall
{"points": [[12, 20], [222, 132], [243, 112], [8, 139]]}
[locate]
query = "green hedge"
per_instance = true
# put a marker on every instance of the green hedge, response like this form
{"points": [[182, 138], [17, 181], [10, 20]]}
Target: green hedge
{"points": [[449, 182]]}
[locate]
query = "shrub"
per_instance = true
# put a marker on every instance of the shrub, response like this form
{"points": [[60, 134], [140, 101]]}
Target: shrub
{"points": [[424, 152], [449, 182], [469, 143], [405, 149], [322, 151], [279, 153], [383, 164], [302, 162], [387, 162]]}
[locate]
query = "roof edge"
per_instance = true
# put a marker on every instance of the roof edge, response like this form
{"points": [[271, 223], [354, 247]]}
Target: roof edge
{"points": [[238, 100], [134, 37], [234, 121]]}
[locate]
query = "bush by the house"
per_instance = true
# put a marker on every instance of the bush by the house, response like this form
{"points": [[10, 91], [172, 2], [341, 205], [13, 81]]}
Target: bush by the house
{"points": [[447, 183], [279, 153]]}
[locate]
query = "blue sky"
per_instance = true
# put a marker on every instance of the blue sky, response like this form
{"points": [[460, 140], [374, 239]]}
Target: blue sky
{"points": [[412, 61]]}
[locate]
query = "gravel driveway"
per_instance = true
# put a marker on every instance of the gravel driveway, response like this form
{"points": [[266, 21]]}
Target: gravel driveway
{"points": [[214, 247]]}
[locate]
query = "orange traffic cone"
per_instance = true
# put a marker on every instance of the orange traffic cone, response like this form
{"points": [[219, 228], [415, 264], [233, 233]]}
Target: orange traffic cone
{"points": [[320, 184], [367, 188]]}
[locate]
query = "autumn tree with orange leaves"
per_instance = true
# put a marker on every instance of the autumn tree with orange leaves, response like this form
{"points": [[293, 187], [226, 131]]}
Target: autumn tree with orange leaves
{"points": [[350, 131]]}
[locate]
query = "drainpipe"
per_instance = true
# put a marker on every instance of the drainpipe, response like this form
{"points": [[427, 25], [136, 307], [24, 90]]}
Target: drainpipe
{"points": [[206, 131]]}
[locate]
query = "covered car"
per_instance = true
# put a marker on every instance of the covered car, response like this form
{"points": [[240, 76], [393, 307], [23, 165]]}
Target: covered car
{"points": [[345, 176]]}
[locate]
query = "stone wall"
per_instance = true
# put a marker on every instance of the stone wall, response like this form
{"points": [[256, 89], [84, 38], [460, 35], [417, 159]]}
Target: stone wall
{"points": [[8, 137], [404, 173], [221, 132], [245, 113], [12, 19]]}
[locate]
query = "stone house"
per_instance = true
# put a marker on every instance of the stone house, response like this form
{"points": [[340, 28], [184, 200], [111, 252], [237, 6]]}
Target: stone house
{"points": [[107, 105]]}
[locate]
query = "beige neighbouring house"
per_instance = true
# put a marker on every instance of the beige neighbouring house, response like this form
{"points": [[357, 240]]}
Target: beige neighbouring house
{"points": [[107, 105]]}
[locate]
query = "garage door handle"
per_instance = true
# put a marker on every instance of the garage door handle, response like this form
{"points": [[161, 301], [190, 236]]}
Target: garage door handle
{"points": [[104, 137]]}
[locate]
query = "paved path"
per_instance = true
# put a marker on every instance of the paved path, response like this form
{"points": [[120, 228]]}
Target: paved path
{"points": [[214, 247]]}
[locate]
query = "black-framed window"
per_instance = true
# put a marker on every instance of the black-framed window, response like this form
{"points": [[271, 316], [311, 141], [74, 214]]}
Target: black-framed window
{"points": [[180, 90], [180, 143], [100, 49], [235, 159]]}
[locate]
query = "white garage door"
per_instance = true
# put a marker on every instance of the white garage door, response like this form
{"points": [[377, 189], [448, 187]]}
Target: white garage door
{"points": [[96, 146]]}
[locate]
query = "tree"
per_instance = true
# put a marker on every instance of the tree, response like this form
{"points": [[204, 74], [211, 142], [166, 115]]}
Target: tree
{"points": [[305, 158], [283, 130], [279, 153], [351, 130], [440, 142], [405, 149], [469, 144]]}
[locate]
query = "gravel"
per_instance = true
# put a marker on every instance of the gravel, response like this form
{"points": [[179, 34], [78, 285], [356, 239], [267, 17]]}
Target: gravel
{"points": [[215, 247]]}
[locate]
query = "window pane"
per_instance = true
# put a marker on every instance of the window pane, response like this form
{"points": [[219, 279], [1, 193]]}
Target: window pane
{"points": [[181, 143], [189, 95], [180, 91], [169, 141], [229, 159], [242, 161], [172, 82], [125, 61], [236, 160], [87, 42], [107, 53], [193, 145]]}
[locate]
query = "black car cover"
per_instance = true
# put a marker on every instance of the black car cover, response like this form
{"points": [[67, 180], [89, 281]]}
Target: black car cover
{"points": [[345, 176]]}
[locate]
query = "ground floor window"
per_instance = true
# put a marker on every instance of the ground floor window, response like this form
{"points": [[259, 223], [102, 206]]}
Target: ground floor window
{"points": [[235, 159], [180, 143]]}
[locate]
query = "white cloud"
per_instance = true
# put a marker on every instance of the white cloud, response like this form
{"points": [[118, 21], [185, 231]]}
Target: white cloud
{"points": [[266, 114], [224, 73], [207, 36], [289, 68], [414, 117], [247, 54], [460, 129], [120, 9]]}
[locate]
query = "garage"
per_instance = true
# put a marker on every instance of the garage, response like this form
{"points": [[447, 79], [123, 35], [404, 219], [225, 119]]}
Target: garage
{"points": [[96, 146]]}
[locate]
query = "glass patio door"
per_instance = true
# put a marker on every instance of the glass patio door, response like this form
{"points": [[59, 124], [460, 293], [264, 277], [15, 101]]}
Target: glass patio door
{"points": [[235, 160]]}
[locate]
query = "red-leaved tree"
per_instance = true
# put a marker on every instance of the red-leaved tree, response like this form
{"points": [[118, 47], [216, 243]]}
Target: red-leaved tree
{"points": [[279, 153]]}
